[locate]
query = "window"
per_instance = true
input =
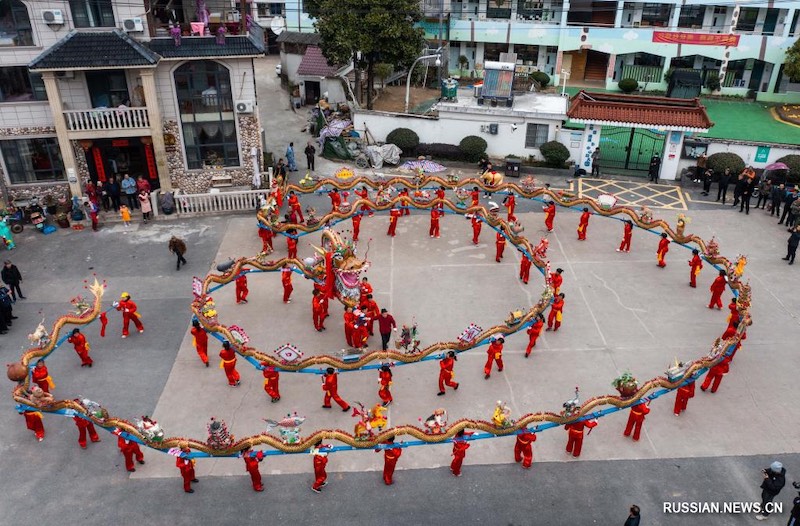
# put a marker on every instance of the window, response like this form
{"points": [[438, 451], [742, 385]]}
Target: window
{"points": [[268, 10], [17, 84], [656, 14], [747, 19], [207, 118], [691, 16], [491, 51], [15, 24], [536, 135], [92, 13], [32, 160]]}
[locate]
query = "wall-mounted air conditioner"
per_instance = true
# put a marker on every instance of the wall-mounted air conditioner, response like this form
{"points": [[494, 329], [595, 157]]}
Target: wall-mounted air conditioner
{"points": [[244, 106], [133, 25], [53, 17]]}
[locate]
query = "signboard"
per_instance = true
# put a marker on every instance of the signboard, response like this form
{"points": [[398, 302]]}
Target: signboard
{"points": [[696, 39], [762, 154]]}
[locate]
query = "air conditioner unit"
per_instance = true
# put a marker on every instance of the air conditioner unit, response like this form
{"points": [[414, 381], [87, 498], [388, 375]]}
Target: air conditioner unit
{"points": [[65, 74], [133, 25], [53, 17], [244, 106]]}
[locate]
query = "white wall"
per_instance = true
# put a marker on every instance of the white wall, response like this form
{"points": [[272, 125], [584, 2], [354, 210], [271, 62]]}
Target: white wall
{"points": [[289, 64], [25, 114], [450, 128], [746, 151]]}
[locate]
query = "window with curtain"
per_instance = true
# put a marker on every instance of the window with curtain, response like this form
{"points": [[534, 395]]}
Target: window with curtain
{"points": [[92, 13], [32, 160], [15, 24], [536, 135], [207, 117]]}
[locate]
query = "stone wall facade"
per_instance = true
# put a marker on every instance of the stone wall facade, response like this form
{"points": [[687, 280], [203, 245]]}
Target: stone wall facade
{"points": [[199, 181], [27, 191]]}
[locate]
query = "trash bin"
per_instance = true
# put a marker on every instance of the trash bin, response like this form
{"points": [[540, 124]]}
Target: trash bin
{"points": [[512, 167]]}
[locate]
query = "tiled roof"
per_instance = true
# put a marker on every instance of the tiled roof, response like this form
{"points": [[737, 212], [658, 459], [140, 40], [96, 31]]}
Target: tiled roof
{"points": [[97, 49], [293, 37], [314, 64], [617, 109], [207, 47]]}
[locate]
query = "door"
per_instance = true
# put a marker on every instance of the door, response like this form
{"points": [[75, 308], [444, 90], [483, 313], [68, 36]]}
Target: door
{"points": [[107, 89], [629, 148], [755, 76], [770, 22], [312, 92]]}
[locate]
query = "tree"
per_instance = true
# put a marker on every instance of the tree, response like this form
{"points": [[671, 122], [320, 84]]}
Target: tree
{"points": [[463, 63], [380, 30], [791, 66], [383, 71]]}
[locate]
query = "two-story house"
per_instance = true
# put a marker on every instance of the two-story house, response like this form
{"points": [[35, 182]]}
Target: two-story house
{"points": [[101, 88]]}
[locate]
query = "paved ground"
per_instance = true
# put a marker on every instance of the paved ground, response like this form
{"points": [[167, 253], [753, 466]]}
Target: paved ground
{"points": [[634, 193], [622, 312]]}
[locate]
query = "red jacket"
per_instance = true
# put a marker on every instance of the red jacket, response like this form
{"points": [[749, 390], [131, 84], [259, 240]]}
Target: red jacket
{"points": [[446, 364], [286, 277], [500, 239], [584, 219], [495, 350], [577, 427], [663, 246], [200, 336], [628, 230], [227, 354], [550, 210], [536, 328], [696, 263], [385, 378], [556, 280], [558, 305], [127, 307], [291, 244], [718, 286], [186, 465], [330, 383], [79, 341], [251, 462], [460, 448]]}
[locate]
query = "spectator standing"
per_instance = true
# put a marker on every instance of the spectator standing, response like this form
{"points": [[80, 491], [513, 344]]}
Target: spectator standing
{"points": [[794, 213], [788, 199], [654, 168], [292, 165], [774, 480], [794, 240], [747, 192], [633, 517], [764, 192], [794, 514], [707, 175], [143, 184], [280, 172], [113, 191], [776, 197], [129, 189], [144, 202], [700, 169], [386, 325], [596, 163], [738, 190], [12, 277], [310, 152], [722, 185]]}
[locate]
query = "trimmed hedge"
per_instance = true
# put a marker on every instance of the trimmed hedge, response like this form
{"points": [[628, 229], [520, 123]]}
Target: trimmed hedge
{"points": [[793, 162], [719, 161], [628, 85], [472, 147], [555, 153], [405, 139], [541, 77], [449, 152]]}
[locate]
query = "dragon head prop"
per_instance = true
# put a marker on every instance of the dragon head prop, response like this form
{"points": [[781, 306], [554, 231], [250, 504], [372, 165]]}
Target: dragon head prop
{"points": [[337, 264]]}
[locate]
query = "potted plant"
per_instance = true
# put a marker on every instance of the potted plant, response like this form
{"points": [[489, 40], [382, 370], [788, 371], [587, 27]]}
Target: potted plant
{"points": [[626, 384], [463, 63], [50, 204], [62, 220]]}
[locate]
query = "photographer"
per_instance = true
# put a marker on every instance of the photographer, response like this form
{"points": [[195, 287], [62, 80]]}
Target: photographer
{"points": [[774, 480]]}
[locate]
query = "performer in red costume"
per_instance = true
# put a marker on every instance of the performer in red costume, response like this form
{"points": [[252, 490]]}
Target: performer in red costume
{"points": [[523, 448], [525, 268], [685, 392], [394, 213], [494, 354], [349, 321], [336, 199], [251, 466], [33, 421], [434, 230], [385, 381], [556, 279], [266, 239], [360, 333], [271, 380], [390, 456], [200, 337], [78, 341], [228, 363], [84, 426], [636, 419], [129, 314], [625, 246], [320, 461], [476, 228], [533, 333], [715, 375], [446, 374], [734, 312], [405, 202], [575, 440], [364, 194], [364, 288], [730, 332], [372, 311], [291, 245], [717, 288], [294, 206], [550, 215], [286, 280], [556, 313], [330, 384], [500, 244], [663, 248], [130, 449], [41, 377], [583, 225], [475, 195], [510, 203], [317, 310], [440, 195], [356, 227], [695, 264], [460, 447], [186, 466], [241, 288]]}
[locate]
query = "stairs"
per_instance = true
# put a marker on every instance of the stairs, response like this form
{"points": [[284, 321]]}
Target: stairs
{"points": [[596, 65]]}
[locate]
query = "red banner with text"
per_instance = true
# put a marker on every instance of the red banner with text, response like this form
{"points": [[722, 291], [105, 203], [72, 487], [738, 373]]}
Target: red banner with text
{"points": [[696, 39]]}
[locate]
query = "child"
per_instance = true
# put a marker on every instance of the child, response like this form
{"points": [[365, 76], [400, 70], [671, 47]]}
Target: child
{"points": [[125, 213]]}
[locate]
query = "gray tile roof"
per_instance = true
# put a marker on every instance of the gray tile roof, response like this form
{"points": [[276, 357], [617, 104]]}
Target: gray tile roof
{"points": [[293, 37], [95, 49], [207, 47]]}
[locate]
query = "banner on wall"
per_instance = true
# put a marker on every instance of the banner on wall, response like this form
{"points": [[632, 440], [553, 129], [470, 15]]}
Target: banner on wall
{"points": [[762, 154], [696, 39]]}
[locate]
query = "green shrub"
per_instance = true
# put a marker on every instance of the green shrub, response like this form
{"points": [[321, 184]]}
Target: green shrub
{"points": [[472, 147], [719, 161], [555, 153], [405, 139], [712, 82], [449, 152], [793, 162], [541, 77], [628, 85]]}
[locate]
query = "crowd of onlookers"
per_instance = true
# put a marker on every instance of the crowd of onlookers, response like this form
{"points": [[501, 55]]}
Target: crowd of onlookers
{"points": [[109, 195]]}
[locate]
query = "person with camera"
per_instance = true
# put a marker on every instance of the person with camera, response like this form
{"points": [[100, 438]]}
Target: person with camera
{"points": [[774, 480], [794, 515]]}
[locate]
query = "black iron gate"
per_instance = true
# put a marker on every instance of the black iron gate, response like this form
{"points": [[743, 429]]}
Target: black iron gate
{"points": [[629, 148]]}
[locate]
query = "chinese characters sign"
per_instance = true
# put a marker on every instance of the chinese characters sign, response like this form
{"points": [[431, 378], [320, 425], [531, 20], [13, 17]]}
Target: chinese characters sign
{"points": [[697, 39]]}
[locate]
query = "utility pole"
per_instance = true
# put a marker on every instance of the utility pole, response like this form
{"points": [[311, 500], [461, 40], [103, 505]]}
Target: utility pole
{"points": [[441, 43], [242, 17]]}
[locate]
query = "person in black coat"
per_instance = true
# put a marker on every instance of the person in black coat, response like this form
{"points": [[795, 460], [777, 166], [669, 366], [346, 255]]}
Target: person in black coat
{"points": [[12, 277], [741, 185], [707, 181], [788, 199], [654, 168], [773, 483], [724, 180], [6, 310], [794, 241], [794, 515], [776, 196], [113, 190], [634, 518]]}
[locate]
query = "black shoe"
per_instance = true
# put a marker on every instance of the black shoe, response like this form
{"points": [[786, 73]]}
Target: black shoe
{"points": [[22, 297], [346, 409], [189, 490], [140, 461], [786, 258], [15, 317], [440, 393], [195, 480]]}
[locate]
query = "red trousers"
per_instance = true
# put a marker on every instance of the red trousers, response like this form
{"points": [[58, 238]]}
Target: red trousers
{"points": [[531, 344], [548, 222], [299, 212], [715, 378], [292, 253], [202, 351], [446, 378], [455, 465], [626, 244], [356, 231], [231, 373], [499, 252], [716, 300], [551, 320], [692, 278], [392, 228], [241, 293], [83, 353], [575, 443], [434, 230], [660, 256], [255, 477], [131, 450], [525, 271], [320, 476], [487, 369], [126, 319], [524, 453], [318, 315], [388, 471], [360, 336], [82, 434], [34, 422], [287, 292], [634, 423], [188, 477], [476, 232], [336, 398], [348, 334], [681, 401], [385, 394]]}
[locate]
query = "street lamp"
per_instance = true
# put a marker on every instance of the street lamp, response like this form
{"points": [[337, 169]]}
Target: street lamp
{"points": [[437, 55]]}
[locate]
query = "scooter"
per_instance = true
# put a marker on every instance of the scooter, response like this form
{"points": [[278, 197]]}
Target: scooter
{"points": [[14, 218]]}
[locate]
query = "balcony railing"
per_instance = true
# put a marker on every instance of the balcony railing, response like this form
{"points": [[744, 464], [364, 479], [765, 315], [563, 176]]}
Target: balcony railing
{"points": [[642, 74], [107, 119]]}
